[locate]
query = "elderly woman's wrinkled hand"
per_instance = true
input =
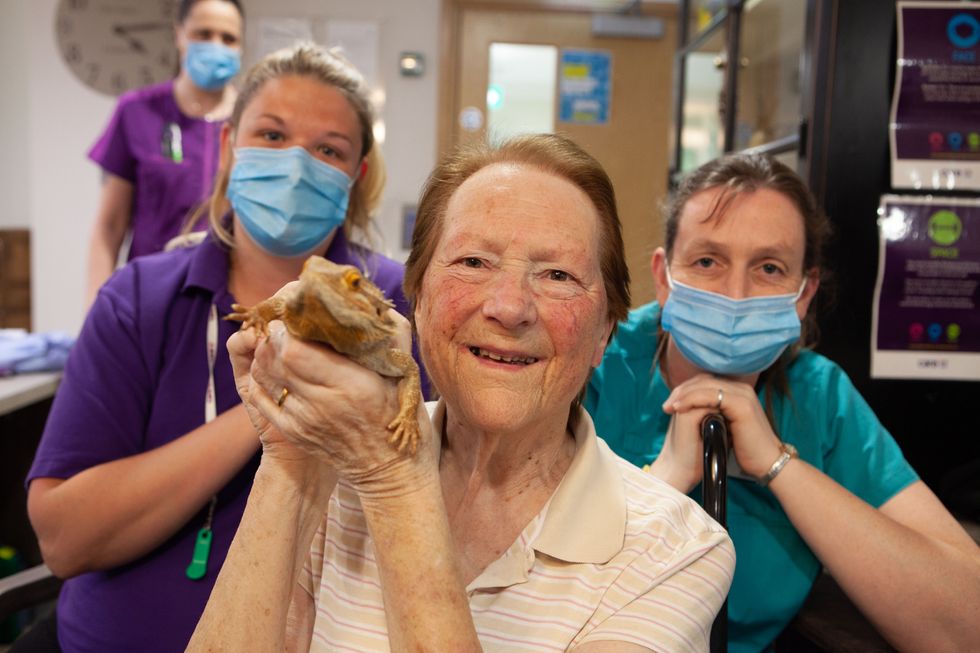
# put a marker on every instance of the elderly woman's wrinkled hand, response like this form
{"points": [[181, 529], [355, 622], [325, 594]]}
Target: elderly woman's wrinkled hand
{"points": [[322, 405], [241, 351], [752, 438]]}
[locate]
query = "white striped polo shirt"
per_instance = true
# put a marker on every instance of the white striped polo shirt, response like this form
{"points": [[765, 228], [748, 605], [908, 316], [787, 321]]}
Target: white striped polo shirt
{"points": [[615, 555]]}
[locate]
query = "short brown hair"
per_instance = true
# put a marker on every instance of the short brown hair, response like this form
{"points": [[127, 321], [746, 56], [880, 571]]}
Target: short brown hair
{"points": [[185, 6], [550, 153]]}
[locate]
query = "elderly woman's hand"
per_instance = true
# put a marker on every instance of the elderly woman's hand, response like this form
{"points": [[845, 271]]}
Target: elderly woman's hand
{"points": [[756, 446], [241, 351], [335, 410]]}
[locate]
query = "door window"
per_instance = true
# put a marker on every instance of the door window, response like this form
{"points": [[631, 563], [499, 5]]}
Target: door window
{"points": [[521, 90]]}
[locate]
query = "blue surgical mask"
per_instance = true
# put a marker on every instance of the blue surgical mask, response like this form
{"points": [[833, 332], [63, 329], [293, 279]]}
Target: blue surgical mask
{"points": [[731, 337], [287, 200], [211, 65]]}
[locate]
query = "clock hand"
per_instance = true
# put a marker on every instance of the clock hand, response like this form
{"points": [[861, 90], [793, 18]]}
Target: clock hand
{"points": [[134, 43], [141, 27], [126, 32]]}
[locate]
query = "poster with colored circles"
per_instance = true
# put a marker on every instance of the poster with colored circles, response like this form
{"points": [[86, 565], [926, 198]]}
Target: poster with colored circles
{"points": [[926, 314], [935, 113]]}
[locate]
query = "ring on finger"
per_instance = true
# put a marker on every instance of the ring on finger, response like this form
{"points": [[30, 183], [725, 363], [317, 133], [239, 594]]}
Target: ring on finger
{"points": [[721, 396], [282, 396]]}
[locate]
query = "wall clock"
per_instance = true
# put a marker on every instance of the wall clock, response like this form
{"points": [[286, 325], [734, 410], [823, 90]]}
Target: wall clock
{"points": [[113, 46]]}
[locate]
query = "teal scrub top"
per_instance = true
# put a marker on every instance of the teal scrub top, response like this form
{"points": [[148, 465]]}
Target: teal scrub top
{"points": [[823, 416]]}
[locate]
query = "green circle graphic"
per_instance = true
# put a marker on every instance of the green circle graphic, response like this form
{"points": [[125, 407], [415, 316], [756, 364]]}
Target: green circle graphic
{"points": [[945, 228], [953, 332]]}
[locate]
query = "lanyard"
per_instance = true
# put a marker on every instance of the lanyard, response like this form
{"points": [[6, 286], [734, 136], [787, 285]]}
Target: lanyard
{"points": [[202, 545], [172, 143]]}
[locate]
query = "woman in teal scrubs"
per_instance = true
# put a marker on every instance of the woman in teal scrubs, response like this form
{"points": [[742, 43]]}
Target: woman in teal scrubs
{"points": [[818, 480]]}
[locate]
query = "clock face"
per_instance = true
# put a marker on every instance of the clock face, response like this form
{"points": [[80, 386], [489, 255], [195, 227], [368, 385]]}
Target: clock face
{"points": [[113, 46]]}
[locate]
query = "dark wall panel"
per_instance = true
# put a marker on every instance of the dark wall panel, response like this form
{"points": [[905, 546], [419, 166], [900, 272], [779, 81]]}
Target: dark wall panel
{"points": [[937, 423]]}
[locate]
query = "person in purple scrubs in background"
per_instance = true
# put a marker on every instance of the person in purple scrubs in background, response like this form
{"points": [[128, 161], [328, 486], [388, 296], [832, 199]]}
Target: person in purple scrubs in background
{"points": [[147, 458], [159, 152]]}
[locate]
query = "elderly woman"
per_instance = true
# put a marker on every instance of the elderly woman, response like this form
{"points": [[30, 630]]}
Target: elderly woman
{"points": [[514, 526], [821, 482]]}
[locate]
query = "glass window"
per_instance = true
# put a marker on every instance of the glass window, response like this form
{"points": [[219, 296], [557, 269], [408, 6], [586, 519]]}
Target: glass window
{"points": [[769, 97], [703, 13], [521, 91], [702, 122]]}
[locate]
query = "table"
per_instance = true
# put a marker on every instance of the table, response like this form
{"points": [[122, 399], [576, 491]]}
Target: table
{"points": [[25, 400], [22, 390]]}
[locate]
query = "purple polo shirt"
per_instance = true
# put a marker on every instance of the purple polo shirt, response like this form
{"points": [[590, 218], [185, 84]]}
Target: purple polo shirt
{"points": [[134, 146], [136, 380]]}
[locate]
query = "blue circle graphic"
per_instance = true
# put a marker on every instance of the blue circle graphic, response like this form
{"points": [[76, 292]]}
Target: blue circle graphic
{"points": [[935, 330], [955, 140], [972, 25]]}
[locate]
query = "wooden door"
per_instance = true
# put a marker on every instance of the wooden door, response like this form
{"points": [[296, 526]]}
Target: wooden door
{"points": [[15, 278], [632, 145]]}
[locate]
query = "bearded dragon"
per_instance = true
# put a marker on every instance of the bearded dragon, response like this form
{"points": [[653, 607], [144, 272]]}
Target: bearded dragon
{"points": [[337, 305]]}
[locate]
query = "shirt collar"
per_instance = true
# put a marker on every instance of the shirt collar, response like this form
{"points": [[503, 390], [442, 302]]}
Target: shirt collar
{"points": [[340, 250], [590, 496], [590, 499], [210, 261], [208, 271]]}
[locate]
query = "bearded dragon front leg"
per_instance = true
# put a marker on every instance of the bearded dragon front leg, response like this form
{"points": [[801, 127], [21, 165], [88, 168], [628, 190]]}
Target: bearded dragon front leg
{"points": [[260, 315], [405, 426]]}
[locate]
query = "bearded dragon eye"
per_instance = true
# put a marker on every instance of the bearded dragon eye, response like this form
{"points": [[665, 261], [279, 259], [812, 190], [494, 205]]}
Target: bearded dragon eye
{"points": [[353, 279]]}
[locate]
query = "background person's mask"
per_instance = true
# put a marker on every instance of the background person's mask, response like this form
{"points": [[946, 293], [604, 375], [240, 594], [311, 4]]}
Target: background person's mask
{"points": [[287, 200], [731, 337], [211, 65]]}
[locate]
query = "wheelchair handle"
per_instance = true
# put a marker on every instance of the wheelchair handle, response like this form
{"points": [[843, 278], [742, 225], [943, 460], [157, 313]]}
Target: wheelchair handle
{"points": [[714, 484], [714, 433]]}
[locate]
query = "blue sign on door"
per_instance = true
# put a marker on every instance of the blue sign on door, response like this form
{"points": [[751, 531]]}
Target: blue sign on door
{"points": [[585, 86]]}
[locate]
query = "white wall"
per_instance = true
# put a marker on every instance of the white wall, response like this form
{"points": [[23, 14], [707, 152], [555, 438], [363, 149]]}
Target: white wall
{"points": [[49, 120], [64, 118], [14, 118]]}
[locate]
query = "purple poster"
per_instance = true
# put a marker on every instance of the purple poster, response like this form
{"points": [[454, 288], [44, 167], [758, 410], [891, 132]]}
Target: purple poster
{"points": [[935, 119], [926, 320]]}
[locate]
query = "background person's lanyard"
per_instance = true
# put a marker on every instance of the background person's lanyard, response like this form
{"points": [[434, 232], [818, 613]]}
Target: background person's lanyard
{"points": [[202, 545]]}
